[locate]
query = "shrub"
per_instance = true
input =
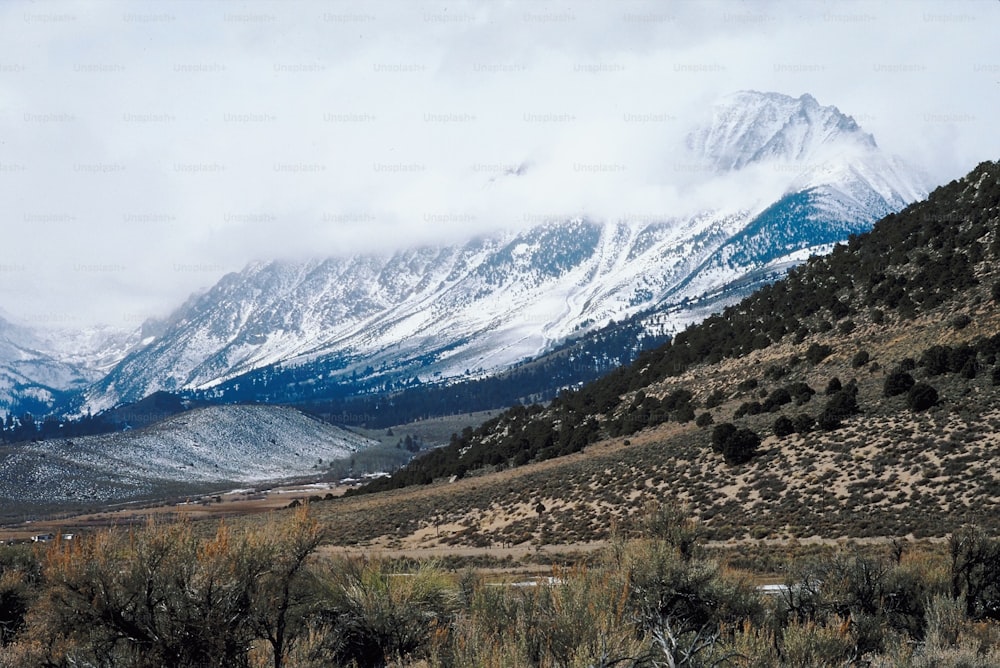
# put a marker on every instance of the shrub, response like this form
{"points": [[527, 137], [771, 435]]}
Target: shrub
{"points": [[704, 420], [833, 386], [18, 572], [961, 321], [803, 423], [721, 435], [936, 360], [748, 408], [811, 644], [907, 364], [747, 384], [846, 327], [736, 445], [776, 372], [996, 376], [783, 427], [715, 399], [896, 383], [369, 613], [776, 399], [162, 596], [801, 392], [818, 352], [828, 421], [959, 357], [841, 404], [684, 414], [860, 359], [996, 291], [921, 397], [975, 571]]}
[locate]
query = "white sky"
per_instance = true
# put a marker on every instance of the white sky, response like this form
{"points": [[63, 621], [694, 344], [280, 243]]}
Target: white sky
{"points": [[147, 148]]}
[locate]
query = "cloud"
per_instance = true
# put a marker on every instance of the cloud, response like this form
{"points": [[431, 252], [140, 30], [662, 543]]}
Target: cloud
{"points": [[149, 149]]}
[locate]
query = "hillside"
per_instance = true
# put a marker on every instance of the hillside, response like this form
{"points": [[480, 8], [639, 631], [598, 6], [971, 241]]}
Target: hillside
{"points": [[918, 296], [206, 447]]}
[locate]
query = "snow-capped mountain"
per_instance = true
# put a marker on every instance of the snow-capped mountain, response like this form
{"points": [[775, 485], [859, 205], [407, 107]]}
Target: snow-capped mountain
{"points": [[40, 366], [748, 128], [480, 306]]}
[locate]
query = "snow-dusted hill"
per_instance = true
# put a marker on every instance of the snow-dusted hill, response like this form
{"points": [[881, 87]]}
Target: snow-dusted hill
{"points": [[226, 444], [804, 177]]}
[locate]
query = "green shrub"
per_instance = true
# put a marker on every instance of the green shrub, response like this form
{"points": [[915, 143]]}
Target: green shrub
{"points": [[896, 383], [163, 596], [370, 612], [841, 404], [783, 427], [20, 571], [748, 408], [961, 321], [684, 414], [776, 399], [801, 392], [704, 420], [737, 446], [715, 399], [935, 360], [921, 397], [803, 423]]}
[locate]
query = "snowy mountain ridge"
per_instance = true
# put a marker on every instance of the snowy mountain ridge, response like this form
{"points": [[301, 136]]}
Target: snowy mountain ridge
{"points": [[38, 365], [478, 307], [749, 127], [788, 177]]}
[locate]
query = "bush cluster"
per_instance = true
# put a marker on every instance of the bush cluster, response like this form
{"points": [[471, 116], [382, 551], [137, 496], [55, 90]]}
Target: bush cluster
{"points": [[736, 445], [161, 596]]}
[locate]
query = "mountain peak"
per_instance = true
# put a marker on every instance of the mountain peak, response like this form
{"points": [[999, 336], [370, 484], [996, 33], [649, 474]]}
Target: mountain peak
{"points": [[751, 127]]}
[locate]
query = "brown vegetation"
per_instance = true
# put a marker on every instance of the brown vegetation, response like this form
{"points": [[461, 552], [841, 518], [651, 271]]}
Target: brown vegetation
{"points": [[164, 595]]}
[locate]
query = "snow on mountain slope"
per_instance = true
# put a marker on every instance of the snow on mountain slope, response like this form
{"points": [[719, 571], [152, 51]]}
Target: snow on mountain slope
{"points": [[748, 127], [92, 350], [841, 183], [30, 378], [37, 366], [807, 176], [225, 444]]}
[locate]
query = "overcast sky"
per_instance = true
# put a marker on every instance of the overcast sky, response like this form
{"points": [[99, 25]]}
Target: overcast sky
{"points": [[147, 148]]}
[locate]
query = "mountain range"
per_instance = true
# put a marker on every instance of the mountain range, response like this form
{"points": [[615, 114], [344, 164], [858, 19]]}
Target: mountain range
{"points": [[473, 309]]}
